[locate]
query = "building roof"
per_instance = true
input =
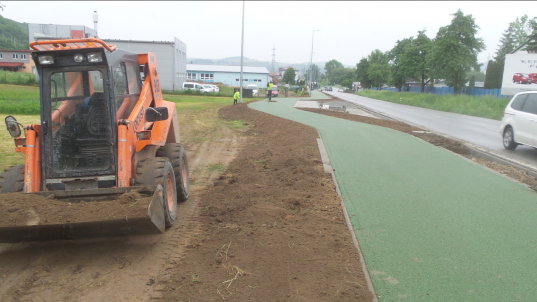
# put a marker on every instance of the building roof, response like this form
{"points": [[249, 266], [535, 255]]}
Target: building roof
{"points": [[16, 50], [225, 68], [9, 64], [136, 41]]}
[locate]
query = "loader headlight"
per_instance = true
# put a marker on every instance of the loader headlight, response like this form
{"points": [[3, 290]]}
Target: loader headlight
{"points": [[95, 57], [79, 57], [143, 135], [46, 60]]}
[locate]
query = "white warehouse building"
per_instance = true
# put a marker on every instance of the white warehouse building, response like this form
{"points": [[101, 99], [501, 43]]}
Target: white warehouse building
{"points": [[228, 75], [171, 59]]}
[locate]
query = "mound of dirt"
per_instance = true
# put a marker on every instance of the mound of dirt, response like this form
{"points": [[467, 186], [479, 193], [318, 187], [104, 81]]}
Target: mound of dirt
{"points": [[18, 209], [273, 225]]}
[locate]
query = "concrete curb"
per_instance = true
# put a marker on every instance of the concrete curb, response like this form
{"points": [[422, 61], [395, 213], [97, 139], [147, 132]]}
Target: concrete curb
{"points": [[328, 169]]}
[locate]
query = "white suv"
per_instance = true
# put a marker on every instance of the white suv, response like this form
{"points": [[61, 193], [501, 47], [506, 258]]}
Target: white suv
{"points": [[189, 85], [519, 122]]}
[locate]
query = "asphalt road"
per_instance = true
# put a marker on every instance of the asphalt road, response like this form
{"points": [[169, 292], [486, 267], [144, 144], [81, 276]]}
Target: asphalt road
{"points": [[478, 131]]}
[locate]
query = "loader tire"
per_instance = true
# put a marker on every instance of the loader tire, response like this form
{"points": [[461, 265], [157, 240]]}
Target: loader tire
{"points": [[12, 179], [177, 155], [159, 171]]}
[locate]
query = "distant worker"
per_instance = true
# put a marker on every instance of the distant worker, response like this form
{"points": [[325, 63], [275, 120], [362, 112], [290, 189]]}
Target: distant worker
{"points": [[236, 96], [269, 91]]}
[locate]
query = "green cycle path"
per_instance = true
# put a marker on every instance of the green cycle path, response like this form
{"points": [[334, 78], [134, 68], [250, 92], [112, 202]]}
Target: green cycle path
{"points": [[432, 226]]}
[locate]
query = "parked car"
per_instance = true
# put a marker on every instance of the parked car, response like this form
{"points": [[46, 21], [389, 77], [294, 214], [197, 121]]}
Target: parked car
{"points": [[254, 87], [190, 85], [216, 88], [521, 78], [533, 77], [327, 88], [519, 122], [207, 88]]}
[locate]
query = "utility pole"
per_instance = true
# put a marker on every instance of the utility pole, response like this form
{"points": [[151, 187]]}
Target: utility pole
{"points": [[273, 59], [242, 47], [311, 62], [95, 21]]}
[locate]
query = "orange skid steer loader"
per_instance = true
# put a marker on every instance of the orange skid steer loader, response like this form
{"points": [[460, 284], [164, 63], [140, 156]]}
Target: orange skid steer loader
{"points": [[103, 134]]}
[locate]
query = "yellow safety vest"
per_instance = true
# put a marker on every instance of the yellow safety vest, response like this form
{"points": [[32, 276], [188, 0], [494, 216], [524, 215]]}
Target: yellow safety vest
{"points": [[270, 86]]}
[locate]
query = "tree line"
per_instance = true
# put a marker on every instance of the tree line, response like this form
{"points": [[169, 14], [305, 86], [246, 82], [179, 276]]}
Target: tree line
{"points": [[451, 56]]}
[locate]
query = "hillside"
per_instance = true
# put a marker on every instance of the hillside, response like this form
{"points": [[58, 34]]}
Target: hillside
{"points": [[251, 62], [13, 35]]}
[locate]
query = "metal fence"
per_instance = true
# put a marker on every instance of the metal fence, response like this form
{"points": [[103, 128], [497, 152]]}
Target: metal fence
{"points": [[450, 90]]}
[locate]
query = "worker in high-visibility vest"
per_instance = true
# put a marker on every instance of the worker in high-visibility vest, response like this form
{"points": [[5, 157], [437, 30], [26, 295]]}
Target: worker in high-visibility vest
{"points": [[236, 96], [269, 91]]}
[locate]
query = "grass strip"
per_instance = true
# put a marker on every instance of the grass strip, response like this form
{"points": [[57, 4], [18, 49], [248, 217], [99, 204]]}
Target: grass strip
{"points": [[481, 106]]}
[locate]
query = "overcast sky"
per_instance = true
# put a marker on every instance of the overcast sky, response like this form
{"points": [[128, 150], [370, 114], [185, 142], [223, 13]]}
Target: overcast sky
{"points": [[212, 30]]}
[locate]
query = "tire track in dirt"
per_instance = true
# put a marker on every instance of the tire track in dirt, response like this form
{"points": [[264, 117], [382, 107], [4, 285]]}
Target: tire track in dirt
{"points": [[113, 269]]}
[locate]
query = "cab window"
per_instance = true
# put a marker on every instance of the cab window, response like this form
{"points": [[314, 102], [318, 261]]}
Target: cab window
{"points": [[519, 102], [530, 106]]}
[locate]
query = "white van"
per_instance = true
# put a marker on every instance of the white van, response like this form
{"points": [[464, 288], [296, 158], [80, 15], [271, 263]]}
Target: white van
{"points": [[193, 86]]}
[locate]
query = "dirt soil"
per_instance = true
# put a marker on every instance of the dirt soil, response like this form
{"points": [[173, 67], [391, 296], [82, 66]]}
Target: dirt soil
{"points": [[269, 227], [273, 228], [27, 209]]}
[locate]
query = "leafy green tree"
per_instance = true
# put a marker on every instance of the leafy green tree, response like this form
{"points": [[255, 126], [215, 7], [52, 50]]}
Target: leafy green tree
{"points": [[336, 74], [332, 64], [414, 60], [362, 69], [379, 68], [493, 78], [399, 76], [455, 50], [348, 77], [289, 76], [532, 43], [329, 67]]}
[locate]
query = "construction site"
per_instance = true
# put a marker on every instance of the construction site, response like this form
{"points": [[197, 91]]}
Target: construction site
{"points": [[301, 199]]}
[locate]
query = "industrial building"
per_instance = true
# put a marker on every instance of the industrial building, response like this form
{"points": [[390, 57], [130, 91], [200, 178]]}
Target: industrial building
{"points": [[171, 56], [171, 59], [58, 31], [228, 75]]}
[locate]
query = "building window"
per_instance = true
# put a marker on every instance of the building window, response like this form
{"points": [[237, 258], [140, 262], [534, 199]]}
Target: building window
{"points": [[236, 80], [206, 76], [245, 80], [1, 56], [15, 56], [23, 56], [191, 75]]}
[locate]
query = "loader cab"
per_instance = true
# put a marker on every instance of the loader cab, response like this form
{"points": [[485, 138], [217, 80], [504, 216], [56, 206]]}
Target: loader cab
{"points": [[83, 94]]}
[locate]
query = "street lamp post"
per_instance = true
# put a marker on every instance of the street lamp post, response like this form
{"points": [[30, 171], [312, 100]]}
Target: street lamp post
{"points": [[242, 50], [311, 60]]}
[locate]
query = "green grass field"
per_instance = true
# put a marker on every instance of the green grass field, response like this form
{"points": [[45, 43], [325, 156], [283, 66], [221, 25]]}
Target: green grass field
{"points": [[197, 115], [483, 106]]}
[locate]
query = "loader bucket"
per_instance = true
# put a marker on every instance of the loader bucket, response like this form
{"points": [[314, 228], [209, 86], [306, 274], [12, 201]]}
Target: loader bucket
{"points": [[113, 222]]}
